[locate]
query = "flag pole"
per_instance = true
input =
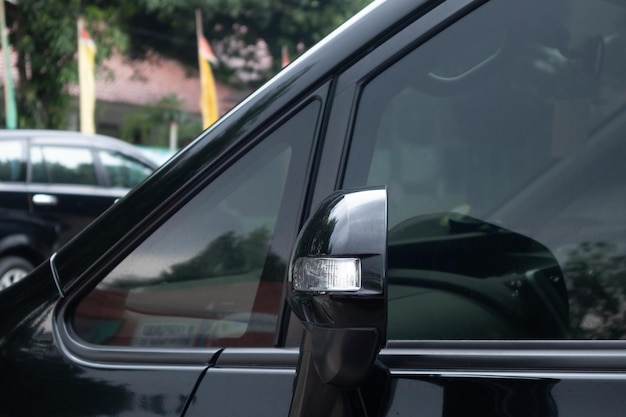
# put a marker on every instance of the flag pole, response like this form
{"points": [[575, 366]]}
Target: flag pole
{"points": [[198, 24], [10, 107]]}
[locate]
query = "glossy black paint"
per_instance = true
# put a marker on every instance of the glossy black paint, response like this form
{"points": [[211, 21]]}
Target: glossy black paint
{"points": [[33, 364], [24, 232], [346, 225]]}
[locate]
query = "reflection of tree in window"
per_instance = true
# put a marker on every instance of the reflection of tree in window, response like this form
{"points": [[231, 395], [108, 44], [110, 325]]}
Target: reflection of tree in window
{"points": [[228, 254], [596, 279]]}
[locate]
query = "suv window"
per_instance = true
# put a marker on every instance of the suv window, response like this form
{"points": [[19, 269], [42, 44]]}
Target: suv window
{"points": [[63, 165], [123, 171], [501, 142], [212, 274], [12, 163]]}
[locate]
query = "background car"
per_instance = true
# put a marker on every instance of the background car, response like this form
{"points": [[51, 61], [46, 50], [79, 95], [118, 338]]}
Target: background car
{"points": [[52, 185]]}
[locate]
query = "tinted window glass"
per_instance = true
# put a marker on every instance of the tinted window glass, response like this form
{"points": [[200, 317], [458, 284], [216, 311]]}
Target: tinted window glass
{"points": [[501, 141], [212, 274], [63, 165], [122, 170], [12, 164]]}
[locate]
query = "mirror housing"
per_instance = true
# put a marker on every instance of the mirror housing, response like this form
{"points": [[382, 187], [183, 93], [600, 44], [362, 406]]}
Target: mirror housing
{"points": [[337, 284]]}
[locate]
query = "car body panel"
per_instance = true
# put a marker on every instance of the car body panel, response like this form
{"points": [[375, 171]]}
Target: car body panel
{"points": [[550, 394], [63, 382], [271, 388]]}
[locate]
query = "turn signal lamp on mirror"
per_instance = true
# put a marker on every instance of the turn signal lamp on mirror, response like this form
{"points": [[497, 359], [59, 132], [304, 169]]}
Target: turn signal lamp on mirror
{"points": [[326, 274], [337, 287]]}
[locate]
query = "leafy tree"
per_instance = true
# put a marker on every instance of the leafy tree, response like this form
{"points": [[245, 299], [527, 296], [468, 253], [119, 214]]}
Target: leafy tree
{"points": [[153, 120], [596, 276], [44, 34], [238, 26]]}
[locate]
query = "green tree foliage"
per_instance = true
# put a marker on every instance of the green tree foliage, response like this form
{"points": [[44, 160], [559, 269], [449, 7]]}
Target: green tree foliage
{"points": [[153, 120], [228, 254], [596, 275], [44, 34], [238, 25]]}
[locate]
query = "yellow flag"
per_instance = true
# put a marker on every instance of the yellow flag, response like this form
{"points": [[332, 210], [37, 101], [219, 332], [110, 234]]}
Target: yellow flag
{"points": [[86, 79], [208, 95]]}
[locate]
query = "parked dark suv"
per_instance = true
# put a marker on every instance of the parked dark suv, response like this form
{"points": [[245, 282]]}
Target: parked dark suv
{"points": [[423, 215], [52, 185]]}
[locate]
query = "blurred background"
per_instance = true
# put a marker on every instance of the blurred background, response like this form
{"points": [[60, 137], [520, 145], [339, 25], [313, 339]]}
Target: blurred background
{"points": [[154, 73]]}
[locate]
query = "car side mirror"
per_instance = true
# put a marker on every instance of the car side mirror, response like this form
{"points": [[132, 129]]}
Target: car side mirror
{"points": [[337, 285]]}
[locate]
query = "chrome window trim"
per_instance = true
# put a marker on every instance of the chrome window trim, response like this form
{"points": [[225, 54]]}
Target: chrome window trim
{"points": [[567, 356], [55, 275]]}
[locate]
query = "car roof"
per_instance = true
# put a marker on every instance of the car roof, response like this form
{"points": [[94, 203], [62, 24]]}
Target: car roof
{"points": [[73, 138]]}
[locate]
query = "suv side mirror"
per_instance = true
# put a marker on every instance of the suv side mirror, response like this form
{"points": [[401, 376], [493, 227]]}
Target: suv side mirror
{"points": [[337, 288]]}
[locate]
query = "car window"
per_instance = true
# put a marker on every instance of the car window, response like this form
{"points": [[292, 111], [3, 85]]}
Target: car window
{"points": [[212, 274], [501, 142], [62, 165], [12, 163], [123, 171]]}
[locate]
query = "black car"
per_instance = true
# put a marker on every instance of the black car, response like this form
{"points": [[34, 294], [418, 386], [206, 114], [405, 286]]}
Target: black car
{"points": [[53, 184], [424, 215]]}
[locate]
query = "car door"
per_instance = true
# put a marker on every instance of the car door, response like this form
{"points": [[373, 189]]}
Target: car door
{"points": [[497, 129], [65, 189]]}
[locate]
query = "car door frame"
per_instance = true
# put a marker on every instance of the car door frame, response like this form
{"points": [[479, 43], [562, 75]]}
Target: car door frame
{"points": [[509, 359]]}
